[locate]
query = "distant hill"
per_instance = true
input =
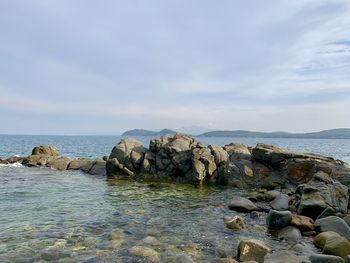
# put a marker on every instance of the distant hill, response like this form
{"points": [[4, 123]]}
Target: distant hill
{"points": [[343, 133], [141, 132], [327, 134]]}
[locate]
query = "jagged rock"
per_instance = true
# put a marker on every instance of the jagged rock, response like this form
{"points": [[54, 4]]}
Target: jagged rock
{"points": [[281, 202], [116, 169], [282, 256], [320, 239], [252, 249], [317, 258], [278, 219], [320, 193], [13, 159], [203, 164], [333, 223], [242, 204], [289, 233], [220, 155], [304, 223], [235, 222], [98, 168], [337, 246], [47, 150]]}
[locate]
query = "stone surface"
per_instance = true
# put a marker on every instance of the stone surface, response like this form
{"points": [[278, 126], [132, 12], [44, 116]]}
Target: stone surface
{"points": [[325, 259], [289, 233], [252, 249], [278, 219], [320, 193], [46, 149], [304, 223], [145, 252], [320, 239], [271, 195], [282, 256], [333, 223], [235, 222], [242, 204], [337, 246], [281, 202], [59, 163]]}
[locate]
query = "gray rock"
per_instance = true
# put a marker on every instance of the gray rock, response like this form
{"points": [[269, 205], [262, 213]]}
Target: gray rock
{"points": [[278, 219], [235, 222], [289, 233], [59, 163], [220, 155], [317, 258], [333, 223], [242, 204], [320, 193], [320, 239], [271, 195], [98, 168], [281, 202], [282, 256]]}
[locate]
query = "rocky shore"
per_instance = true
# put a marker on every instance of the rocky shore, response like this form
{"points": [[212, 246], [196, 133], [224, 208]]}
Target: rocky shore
{"points": [[302, 196]]}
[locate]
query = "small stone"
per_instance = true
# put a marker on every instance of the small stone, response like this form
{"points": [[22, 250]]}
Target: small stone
{"points": [[50, 254], [242, 204], [235, 222], [304, 223], [278, 219], [271, 195], [317, 258], [281, 202], [289, 233], [337, 246], [252, 249], [180, 259], [224, 260], [150, 240], [282, 256], [320, 239]]}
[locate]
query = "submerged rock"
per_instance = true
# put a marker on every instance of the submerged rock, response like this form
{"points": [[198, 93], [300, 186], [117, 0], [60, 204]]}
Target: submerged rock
{"points": [[242, 204], [145, 252], [283, 256], [289, 233], [252, 249], [317, 258]]}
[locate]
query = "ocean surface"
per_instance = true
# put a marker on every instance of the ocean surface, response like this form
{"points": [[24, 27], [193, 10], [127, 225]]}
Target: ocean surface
{"points": [[70, 216]]}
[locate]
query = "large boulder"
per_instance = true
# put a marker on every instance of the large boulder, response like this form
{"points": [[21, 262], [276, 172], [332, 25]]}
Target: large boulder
{"points": [[320, 193], [129, 152], [46, 149], [299, 168], [333, 223], [59, 163]]}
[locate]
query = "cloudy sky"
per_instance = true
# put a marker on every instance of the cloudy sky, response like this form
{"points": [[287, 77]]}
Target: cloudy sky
{"points": [[84, 67]]}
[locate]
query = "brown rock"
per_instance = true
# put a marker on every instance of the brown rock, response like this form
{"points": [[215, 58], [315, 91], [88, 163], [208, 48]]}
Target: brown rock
{"points": [[304, 223]]}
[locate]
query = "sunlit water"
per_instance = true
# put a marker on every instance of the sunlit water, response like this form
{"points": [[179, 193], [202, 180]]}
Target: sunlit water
{"points": [[76, 212]]}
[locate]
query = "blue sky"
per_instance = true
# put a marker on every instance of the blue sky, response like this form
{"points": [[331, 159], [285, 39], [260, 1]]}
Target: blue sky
{"points": [[84, 67]]}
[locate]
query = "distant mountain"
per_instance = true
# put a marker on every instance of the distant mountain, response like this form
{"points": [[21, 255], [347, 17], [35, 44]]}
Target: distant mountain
{"points": [[142, 132], [194, 130], [327, 134]]}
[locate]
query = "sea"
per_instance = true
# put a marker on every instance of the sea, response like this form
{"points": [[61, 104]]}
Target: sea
{"points": [[68, 216]]}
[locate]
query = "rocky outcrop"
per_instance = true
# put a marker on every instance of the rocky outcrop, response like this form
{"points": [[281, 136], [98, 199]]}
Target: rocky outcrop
{"points": [[46, 150]]}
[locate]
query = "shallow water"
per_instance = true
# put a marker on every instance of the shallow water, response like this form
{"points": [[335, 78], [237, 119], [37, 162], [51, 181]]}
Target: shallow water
{"points": [[76, 213]]}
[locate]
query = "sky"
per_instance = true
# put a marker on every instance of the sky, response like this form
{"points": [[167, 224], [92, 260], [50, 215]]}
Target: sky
{"points": [[103, 67]]}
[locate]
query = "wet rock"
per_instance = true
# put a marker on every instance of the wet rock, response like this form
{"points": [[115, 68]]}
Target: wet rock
{"points": [[46, 150], [271, 195], [116, 169], [278, 219], [347, 219], [320, 239], [289, 233], [329, 211], [150, 240], [333, 223], [98, 168], [256, 197], [50, 254], [145, 252], [283, 256], [235, 222], [224, 260], [337, 246], [320, 193], [242, 204], [179, 259], [304, 223], [252, 249], [281, 202], [79, 164], [317, 258], [60, 163]]}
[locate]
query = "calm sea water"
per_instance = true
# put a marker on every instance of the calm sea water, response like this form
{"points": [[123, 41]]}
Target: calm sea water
{"points": [[98, 146], [72, 214]]}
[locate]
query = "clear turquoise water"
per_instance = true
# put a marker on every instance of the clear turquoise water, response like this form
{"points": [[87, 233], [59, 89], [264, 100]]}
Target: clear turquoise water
{"points": [[74, 213]]}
